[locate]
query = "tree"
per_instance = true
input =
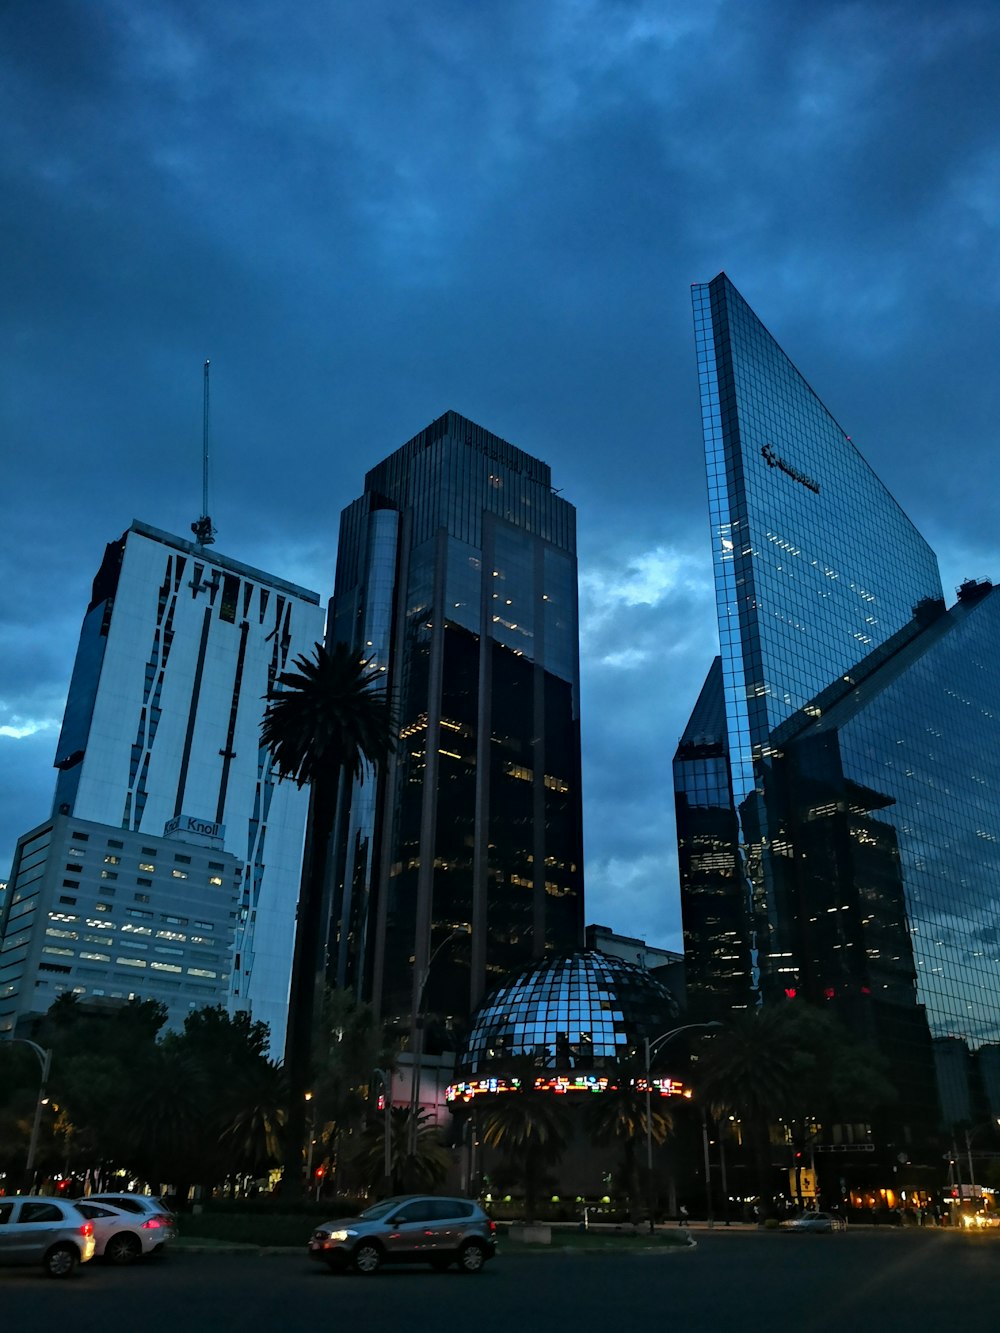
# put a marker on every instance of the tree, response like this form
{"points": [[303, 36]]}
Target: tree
{"points": [[423, 1169], [532, 1130], [349, 1046], [749, 1070], [326, 725], [618, 1115], [791, 1062], [253, 1138]]}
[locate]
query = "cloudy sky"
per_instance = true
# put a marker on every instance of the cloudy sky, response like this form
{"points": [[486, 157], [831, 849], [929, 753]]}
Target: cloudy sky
{"points": [[368, 211]]}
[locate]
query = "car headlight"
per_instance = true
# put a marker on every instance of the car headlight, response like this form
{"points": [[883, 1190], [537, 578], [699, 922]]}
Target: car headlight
{"points": [[342, 1235]]}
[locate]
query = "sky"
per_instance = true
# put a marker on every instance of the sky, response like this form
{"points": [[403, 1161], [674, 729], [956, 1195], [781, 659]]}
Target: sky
{"points": [[366, 212]]}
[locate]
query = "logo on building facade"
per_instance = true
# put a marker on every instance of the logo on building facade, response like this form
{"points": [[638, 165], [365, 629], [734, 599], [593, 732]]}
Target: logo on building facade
{"points": [[188, 824], [772, 460]]}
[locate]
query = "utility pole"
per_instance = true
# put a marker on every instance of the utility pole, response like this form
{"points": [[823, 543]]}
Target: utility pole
{"points": [[204, 533]]}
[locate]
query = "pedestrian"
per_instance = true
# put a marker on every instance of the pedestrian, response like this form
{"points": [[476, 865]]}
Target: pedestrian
{"points": [[682, 1215]]}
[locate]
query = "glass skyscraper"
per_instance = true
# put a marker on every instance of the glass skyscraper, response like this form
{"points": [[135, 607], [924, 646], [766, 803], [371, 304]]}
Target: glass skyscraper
{"points": [[838, 812], [463, 862]]}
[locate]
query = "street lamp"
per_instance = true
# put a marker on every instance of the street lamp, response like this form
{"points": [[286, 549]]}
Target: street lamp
{"points": [[45, 1060], [650, 1049], [386, 1076], [312, 1141], [418, 1038]]}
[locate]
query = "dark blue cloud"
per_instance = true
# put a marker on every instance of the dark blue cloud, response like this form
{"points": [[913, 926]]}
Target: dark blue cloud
{"points": [[365, 215]]}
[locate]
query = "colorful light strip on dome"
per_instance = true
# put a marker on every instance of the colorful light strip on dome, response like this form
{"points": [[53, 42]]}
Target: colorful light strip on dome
{"points": [[561, 1084]]}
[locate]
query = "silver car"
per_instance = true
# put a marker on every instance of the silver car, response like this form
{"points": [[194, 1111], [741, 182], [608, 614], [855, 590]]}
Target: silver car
{"points": [[410, 1228], [813, 1221], [50, 1232]]}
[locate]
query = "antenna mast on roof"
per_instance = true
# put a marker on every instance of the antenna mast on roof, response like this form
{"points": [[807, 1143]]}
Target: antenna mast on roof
{"points": [[204, 533]]}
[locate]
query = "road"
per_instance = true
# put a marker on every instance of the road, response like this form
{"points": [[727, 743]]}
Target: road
{"points": [[753, 1282]]}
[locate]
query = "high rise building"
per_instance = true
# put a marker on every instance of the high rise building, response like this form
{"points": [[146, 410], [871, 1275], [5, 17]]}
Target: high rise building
{"points": [[456, 576], [109, 912], [837, 785], [161, 733]]}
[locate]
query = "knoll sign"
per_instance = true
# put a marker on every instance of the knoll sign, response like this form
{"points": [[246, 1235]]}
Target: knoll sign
{"points": [[204, 828]]}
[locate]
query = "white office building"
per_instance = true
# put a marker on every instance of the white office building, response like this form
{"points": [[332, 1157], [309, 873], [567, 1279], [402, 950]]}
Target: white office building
{"points": [[179, 649], [106, 912]]}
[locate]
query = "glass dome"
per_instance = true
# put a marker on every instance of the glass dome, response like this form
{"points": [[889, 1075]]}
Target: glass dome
{"points": [[579, 1011]]}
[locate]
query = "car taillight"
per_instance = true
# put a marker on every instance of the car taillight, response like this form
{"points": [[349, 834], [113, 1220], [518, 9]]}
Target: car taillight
{"points": [[87, 1229], [151, 1223], [493, 1227]]}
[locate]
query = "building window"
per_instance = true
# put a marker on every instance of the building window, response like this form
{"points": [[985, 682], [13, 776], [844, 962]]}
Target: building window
{"points": [[146, 883], [215, 879], [141, 897], [113, 843], [109, 874], [183, 860], [103, 907], [74, 868], [82, 837], [112, 860], [148, 851], [148, 866], [137, 912], [216, 865], [172, 920], [179, 874], [69, 902]]}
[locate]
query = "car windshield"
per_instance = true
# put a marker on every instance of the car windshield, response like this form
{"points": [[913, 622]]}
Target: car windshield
{"points": [[382, 1209]]}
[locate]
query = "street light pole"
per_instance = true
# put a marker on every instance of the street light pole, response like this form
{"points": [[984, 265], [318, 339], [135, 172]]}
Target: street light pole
{"points": [[650, 1048], [386, 1076], [45, 1060], [708, 1168], [418, 1040]]}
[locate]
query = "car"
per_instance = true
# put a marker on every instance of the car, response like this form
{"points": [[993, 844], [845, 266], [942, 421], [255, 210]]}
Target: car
{"points": [[408, 1228], [139, 1205], [38, 1230], [812, 1221], [122, 1236]]}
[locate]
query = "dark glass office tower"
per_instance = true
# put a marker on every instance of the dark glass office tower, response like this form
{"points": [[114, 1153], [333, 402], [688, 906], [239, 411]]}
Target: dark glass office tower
{"points": [[456, 574], [834, 812]]}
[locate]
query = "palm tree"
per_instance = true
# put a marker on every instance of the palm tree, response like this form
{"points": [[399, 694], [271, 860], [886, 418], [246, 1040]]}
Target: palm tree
{"points": [[750, 1069], [423, 1169], [618, 1115], [532, 1130], [326, 725], [253, 1137]]}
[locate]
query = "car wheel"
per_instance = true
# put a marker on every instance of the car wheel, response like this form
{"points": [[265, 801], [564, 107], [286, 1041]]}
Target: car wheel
{"points": [[441, 1265], [122, 1248], [471, 1257], [60, 1260], [368, 1258]]}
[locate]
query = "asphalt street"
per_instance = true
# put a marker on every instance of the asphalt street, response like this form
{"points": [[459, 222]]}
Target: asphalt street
{"points": [[753, 1282]]}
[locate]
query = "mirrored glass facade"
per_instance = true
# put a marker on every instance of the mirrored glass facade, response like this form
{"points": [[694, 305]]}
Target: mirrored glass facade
{"points": [[835, 789], [468, 850]]}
